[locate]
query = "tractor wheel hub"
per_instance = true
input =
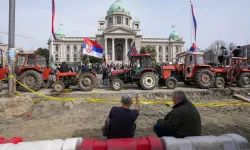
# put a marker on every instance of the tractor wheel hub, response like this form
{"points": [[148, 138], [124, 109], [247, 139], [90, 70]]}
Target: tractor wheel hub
{"points": [[149, 81], [205, 78], [29, 81], [246, 80]]}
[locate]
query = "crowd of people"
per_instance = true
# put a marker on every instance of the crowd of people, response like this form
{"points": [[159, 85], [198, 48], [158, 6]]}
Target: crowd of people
{"points": [[184, 120]]}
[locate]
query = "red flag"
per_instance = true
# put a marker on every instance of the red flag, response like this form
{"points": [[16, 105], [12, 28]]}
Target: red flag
{"points": [[53, 18]]}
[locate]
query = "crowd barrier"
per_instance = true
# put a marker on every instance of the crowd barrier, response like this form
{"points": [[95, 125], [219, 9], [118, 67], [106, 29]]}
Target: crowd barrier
{"points": [[224, 142]]}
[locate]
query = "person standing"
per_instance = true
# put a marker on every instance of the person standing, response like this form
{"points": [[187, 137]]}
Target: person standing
{"points": [[120, 122], [184, 120]]}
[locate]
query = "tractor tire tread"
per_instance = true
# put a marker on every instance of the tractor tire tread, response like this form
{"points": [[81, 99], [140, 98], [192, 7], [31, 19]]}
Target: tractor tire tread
{"points": [[198, 79], [38, 77], [141, 80], [92, 78]]}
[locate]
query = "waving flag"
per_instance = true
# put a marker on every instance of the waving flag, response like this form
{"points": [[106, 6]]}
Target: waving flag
{"points": [[92, 48], [53, 18], [194, 21], [132, 51]]}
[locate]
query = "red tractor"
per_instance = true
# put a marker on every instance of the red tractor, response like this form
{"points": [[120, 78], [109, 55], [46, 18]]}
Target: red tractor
{"points": [[140, 73], [30, 70], [236, 73], [86, 81], [190, 68]]}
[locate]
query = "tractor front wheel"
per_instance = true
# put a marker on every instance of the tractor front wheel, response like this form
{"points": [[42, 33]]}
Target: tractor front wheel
{"points": [[171, 83], [33, 80], [204, 78], [59, 86], [219, 82], [117, 85], [244, 80], [148, 81], [87, 81]]}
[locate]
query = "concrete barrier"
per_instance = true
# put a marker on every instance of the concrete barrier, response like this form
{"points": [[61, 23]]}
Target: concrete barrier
{"points": [[224, 142], [59, 144]]}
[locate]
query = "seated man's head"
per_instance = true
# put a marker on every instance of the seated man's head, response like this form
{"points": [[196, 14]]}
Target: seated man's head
{"points": [[179, 96], [126, 100]]}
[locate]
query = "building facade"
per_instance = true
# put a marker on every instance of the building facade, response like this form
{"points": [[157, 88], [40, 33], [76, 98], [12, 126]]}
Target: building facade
{"points": [[116, 33]]}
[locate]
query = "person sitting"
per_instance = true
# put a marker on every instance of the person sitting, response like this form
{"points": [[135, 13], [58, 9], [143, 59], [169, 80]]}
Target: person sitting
{"points": [[85, 68], [121, 120], [64, 67], [184, 120], [236, 52]]}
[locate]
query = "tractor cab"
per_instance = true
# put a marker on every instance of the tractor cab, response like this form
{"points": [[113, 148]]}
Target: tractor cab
{"points": [[26, 61], [140, 62], [190, 62]]}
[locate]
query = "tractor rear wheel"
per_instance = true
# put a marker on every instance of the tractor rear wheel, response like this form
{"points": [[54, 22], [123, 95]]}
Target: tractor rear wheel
{"points": [[87, 81], [117, 85], [59, 86], [32, 80], [171, 83], [244, 80], [148, 81], [204, 78], [219, 82]]}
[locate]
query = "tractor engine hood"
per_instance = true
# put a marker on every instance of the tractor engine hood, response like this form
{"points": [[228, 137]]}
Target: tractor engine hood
{"points": [[115, 72]]}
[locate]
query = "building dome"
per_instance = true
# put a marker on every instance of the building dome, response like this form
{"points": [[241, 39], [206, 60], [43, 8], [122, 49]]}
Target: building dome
{"points": [[60, 34], [117, 6], [174, 36]]}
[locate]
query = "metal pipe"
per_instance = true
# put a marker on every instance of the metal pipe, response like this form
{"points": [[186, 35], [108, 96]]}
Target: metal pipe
{"points": [[11, 46]]}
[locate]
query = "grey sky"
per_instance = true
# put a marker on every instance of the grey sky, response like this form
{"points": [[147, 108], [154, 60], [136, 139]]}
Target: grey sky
{"points": [[217, 19]]}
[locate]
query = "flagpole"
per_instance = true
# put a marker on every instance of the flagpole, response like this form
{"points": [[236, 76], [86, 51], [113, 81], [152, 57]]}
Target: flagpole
{"points": [[191, 26]]}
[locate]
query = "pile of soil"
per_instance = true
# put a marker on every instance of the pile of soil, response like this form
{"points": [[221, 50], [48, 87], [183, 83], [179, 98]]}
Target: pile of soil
{"points": [[81, 118]]}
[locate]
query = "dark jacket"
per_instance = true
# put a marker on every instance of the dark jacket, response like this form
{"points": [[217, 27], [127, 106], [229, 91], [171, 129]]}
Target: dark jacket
{"points": [[64, 67], [184, 120], [85, 68]]}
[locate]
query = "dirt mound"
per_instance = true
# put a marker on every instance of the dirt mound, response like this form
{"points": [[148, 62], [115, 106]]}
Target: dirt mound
{"points": [[16, 106]]}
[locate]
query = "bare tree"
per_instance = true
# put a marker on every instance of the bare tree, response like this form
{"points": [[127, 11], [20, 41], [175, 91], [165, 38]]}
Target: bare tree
{"points": [[231, 45], [216, 46]]}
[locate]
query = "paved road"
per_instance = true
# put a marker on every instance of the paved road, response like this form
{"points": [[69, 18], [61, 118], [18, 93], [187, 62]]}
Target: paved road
{"points": [[127, 89]]}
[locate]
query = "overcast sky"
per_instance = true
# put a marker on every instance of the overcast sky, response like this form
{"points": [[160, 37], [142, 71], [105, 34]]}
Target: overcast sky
{"points": [[217, 19]]}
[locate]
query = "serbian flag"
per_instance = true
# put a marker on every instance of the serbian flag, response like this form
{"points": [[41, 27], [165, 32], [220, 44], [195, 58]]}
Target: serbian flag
{"points": [[194, 21], [92, 48], [53, 18]]}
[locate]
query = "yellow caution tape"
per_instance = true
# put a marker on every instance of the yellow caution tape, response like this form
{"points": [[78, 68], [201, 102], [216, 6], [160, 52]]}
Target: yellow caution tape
{"points": [[142, 101], [45, 96]]}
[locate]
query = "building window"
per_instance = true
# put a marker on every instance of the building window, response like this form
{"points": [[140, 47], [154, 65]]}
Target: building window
{"points": [[137, 26], [68, 48], [160, 49], [74, 57], [166, 57], [101, 25], [56, 56], [57, 48], [68, 59], [75, 48], [160, 58], [119, 20], [110, 20], [177, 50], [166, 49], [126, 21], [109, 56]]}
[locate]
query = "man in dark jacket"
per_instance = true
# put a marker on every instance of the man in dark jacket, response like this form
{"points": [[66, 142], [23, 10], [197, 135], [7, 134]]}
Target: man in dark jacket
{"points": [[184, 120], [64, 67]]}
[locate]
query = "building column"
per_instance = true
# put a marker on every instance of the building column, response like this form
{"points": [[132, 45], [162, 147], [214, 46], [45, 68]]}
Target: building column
{"points": [[71, 53], [106, 48], [163, 53], [126, 49], [113, 49], [157, 53], [61, 52]]}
